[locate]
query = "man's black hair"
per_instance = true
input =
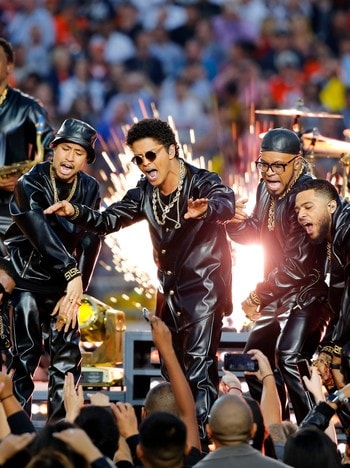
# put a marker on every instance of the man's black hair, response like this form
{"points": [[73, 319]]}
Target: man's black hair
{"points": [[152, 128], [163, 438], [101, 426], [8, 49], [319, 186]]}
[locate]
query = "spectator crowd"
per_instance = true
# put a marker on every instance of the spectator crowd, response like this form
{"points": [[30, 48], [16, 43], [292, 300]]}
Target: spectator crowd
{"points": [[206, 64]]}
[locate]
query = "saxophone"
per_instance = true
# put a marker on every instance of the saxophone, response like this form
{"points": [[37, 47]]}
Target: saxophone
{"points": [[16, 168], [23, 166]]}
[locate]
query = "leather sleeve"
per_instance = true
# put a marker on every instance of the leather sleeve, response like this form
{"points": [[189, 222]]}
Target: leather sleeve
{"points": [[120, 214], [60, 245], [90, 248], [319, 416], [246, 232], [221, 205], [342, 248], [26, 208], [129, 210]]}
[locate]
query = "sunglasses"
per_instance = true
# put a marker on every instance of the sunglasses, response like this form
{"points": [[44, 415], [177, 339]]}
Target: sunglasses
{"points": [[149, 155]]}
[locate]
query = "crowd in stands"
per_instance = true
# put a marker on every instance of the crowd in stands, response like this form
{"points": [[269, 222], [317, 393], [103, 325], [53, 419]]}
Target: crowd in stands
{"points": [[206, 63]]}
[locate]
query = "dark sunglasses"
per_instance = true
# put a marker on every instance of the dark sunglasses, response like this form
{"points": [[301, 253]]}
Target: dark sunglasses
{"points": [[5, 294], [149, 155]]}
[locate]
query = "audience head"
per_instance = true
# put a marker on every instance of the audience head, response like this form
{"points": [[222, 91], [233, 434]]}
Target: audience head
{"points": [[46, 443], [101, 426], [231, 421], [50, 458], [160, 398], [311, 446], [162, 441]]}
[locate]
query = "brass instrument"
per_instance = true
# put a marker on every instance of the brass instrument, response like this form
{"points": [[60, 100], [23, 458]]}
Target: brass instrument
{"points": [[23, 166], [16, 168]]}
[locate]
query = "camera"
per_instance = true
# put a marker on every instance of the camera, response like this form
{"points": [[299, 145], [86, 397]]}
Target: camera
{"points": [[240, 362]]}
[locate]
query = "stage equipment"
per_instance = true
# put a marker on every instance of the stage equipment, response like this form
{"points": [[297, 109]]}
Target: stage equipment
{"points": [[102, 332], [324, 147], [298, 111]]}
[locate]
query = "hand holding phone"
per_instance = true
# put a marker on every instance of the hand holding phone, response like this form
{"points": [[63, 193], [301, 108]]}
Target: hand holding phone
{"points": [[303, 368], [240, 362]]}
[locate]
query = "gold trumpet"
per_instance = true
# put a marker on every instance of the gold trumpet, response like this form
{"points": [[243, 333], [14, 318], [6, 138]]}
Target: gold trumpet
{"points": [[16, 168]]}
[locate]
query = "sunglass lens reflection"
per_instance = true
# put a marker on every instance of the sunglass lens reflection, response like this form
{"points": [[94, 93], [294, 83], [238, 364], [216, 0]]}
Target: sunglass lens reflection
{"points": [[149, 155]]}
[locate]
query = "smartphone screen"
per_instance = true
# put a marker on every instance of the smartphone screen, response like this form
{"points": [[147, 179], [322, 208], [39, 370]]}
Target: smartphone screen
{"points": [[303, 368], [240, 362]]}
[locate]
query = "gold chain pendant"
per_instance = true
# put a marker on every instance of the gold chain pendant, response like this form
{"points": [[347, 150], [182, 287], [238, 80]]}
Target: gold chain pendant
{"points": [[271, 218], [54, 187], [3, 96]]}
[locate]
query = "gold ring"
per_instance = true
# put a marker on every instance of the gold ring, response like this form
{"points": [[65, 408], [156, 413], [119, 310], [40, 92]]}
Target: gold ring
{"points": [[60, 318], [78, 303]]}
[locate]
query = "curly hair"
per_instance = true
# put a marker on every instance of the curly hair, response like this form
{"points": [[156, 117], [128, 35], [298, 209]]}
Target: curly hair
{"points": [[153, 128]]}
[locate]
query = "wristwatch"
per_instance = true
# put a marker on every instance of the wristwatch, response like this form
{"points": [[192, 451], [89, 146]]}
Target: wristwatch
{"points": [[338, 398]]}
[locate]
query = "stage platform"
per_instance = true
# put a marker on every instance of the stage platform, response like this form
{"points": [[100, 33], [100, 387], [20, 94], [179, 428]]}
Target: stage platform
{"points": [[140, 365]]}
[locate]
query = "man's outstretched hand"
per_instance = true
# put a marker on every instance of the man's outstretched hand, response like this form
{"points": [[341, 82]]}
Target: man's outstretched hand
{"points": [[61, 208]]}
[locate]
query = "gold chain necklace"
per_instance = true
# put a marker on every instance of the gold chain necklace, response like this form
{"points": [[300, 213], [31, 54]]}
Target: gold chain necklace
{"points": [[165, 209], [271, 215], [3, 95], [329, 252], [54, 187]]}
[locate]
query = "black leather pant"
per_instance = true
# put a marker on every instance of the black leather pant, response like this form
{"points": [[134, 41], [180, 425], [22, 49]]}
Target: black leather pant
{"points": [[196, 347], [285, 339], [33, 324]]}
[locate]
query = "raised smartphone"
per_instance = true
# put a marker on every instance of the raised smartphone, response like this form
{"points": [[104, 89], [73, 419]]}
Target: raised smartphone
{"points": [[240, 362]]}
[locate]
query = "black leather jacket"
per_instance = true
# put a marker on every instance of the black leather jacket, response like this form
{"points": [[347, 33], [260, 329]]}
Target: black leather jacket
{"points": [[293, 268], [42, 248], [19, 117], [194, 261], [339, 289]]}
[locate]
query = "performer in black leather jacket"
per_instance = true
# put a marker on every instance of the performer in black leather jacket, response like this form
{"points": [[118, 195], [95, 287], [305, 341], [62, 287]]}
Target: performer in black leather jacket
{"points": [[25, 134], [54, 261], [326, 216], [289, 305], [182, 205]]}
